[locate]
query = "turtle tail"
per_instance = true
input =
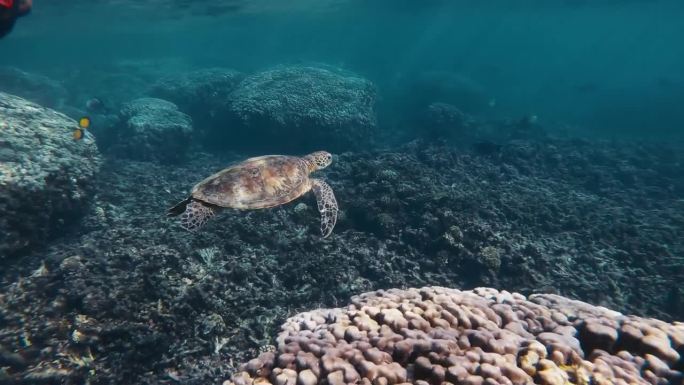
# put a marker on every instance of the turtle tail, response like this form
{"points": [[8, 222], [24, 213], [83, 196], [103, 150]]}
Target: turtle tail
{"points": [[193, 213]]}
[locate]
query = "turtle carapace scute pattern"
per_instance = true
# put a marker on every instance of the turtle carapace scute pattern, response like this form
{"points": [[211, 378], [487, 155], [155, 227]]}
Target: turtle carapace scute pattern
{"points": [[261, 182]]}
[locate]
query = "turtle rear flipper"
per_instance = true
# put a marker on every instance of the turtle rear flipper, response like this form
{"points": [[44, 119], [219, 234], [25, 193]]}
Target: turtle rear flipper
{"points": [[327, 205], [193, 213]]}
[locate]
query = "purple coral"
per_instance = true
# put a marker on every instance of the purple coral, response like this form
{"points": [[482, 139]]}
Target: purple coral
{"points": [[436, 335]]}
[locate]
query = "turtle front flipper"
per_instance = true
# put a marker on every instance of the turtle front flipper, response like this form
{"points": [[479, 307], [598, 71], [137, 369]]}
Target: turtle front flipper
{"points": [[193, 213], [327, 205]]}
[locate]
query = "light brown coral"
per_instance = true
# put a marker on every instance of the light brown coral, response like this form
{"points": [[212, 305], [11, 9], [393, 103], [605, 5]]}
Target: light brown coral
{"points": [[436, 335]]}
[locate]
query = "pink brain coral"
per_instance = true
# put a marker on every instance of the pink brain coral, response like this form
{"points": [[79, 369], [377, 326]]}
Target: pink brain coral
{"points": [[436, 335]]}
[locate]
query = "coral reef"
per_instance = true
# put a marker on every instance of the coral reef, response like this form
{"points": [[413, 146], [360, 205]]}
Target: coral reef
{"points": [[445, 121], [153, 129], [129, 297], [436, 335], [45, 175], [202, 94], [31, 86], [305, 108]]}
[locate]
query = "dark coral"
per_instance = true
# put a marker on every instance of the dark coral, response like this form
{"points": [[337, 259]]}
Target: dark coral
{"points": [[595, 221], [153, 129]]}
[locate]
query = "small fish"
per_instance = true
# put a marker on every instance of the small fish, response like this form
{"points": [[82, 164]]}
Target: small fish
{"points": [[96, 105], [78, 134], [84, 122], [492, 103], [83, 125]]}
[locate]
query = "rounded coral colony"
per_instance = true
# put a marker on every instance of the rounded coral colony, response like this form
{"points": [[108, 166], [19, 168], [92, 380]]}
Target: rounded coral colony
{"points": [[436, 335]]}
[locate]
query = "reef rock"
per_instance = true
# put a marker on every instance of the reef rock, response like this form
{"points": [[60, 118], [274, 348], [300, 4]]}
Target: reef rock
{"points": [[153, 129], [305, 108], [436, 335], [445, 121], [34, 87], [203, 94], [44, 174]]}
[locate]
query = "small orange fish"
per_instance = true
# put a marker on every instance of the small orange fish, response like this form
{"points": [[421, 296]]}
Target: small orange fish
{"points": [[78, 134], [83, 124]]}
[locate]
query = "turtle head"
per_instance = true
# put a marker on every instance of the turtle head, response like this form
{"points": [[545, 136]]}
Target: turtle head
{"points": [[318, 160]]}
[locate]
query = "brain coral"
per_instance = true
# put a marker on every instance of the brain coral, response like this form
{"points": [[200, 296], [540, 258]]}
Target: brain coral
{"points": [[437, 335]]}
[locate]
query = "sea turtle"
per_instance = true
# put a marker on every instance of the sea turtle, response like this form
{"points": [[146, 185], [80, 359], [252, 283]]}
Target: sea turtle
{"points": [[261, 182]]}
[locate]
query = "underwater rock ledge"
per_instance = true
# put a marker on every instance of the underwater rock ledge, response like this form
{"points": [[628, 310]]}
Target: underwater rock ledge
{"points": [[436, 335]]}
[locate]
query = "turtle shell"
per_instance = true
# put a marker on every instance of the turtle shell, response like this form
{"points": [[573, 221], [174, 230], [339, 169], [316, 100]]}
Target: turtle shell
{"points": [[255, 183]]}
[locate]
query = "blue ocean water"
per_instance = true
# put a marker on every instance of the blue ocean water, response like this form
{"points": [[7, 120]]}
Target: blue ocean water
{"points": [[610, 67], [149, 235]]}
